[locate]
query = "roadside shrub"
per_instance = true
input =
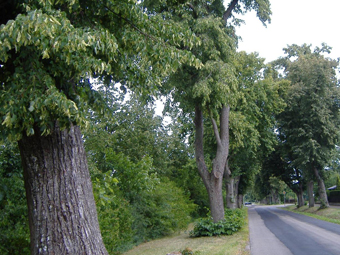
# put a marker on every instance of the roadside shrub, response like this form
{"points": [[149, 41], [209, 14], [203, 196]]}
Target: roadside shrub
{"points": [[233, 221], [161, 211], [135, 205]]}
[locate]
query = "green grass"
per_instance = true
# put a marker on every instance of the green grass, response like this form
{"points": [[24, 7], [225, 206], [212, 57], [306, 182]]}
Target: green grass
{"points": [[328, 214], [235, 244]]}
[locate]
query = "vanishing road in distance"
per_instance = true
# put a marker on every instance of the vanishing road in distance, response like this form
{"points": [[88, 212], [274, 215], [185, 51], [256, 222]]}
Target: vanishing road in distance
{"points": [[274, 231]]}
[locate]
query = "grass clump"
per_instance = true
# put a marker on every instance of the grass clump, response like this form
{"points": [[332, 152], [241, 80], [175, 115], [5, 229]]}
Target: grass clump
{"points": [[188, 251], [233, 221]]}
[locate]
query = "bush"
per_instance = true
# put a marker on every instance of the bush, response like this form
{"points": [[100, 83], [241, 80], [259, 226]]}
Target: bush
{"points": [[234, 220], [161, 211], [134, 205]]}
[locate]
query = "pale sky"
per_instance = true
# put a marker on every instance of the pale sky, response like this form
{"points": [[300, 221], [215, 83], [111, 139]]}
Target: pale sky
{"points": [[293, 22]]}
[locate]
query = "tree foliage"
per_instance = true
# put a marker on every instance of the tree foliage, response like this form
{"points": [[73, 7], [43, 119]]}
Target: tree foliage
{"points": [[208, 93], [253, 119], [132, 158], [49, 49], [308, 127], [311, 118]]}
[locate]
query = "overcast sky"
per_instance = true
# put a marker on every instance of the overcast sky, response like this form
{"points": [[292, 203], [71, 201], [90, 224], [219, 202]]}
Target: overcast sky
{"points": [[293, 22]]}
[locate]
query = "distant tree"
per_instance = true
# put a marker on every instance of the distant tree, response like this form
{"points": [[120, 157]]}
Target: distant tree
{"points": [[277, 164], [252, 122], [309, 126]]}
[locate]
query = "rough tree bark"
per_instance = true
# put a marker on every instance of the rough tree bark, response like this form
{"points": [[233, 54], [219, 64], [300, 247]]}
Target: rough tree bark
{"points": [[322, 189], [213, 180], [239, 200], [299, 194], [62, 210], [231, 185], [310, 188]]}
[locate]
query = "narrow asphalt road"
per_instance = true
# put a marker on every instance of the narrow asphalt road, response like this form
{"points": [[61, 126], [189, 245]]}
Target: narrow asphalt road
{"points": [[274, 231]]}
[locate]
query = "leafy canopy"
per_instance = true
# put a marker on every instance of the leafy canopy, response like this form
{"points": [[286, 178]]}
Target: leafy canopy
{"points": [[49, 50], [309, 124]]}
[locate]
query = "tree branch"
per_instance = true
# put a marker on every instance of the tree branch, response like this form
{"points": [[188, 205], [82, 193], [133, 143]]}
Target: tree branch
{"points": [[224, 124], [216, 132], [231, 7], [199, 153], [131, 24]]}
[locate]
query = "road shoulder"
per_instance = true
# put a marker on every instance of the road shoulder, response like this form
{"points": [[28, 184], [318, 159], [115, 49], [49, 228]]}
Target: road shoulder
{"points": [[262, 240]]}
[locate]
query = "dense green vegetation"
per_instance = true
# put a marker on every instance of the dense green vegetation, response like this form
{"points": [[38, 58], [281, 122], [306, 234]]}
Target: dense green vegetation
{"points": [[131, 171], [233, 222], [238, 127], [308, 128], [14, 233]]}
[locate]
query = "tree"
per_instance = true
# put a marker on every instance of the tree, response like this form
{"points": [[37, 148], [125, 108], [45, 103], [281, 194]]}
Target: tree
{"points": [[209, 93], [308, 127], [48, 52], [278, 165], [252, 124]]}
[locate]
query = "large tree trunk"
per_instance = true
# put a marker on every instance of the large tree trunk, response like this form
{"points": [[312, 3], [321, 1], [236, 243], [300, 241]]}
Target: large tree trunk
{"points": [[310, 188], [213, 180], [61, 207], [322, 190], [301, 201], [214, 190]]}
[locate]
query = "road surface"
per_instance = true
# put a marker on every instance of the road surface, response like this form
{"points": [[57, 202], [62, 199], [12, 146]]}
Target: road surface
{"points": [[274, 231]]}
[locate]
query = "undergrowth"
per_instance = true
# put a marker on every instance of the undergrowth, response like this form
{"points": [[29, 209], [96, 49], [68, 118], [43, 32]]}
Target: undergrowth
{"points": [[233, 221]]}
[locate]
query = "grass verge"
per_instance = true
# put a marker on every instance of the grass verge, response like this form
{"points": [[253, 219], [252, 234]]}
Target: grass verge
{"points": [[235, 244], [328, 214]]}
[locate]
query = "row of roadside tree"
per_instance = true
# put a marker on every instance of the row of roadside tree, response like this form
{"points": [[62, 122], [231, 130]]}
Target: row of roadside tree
{"points": [[230, 115]]}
